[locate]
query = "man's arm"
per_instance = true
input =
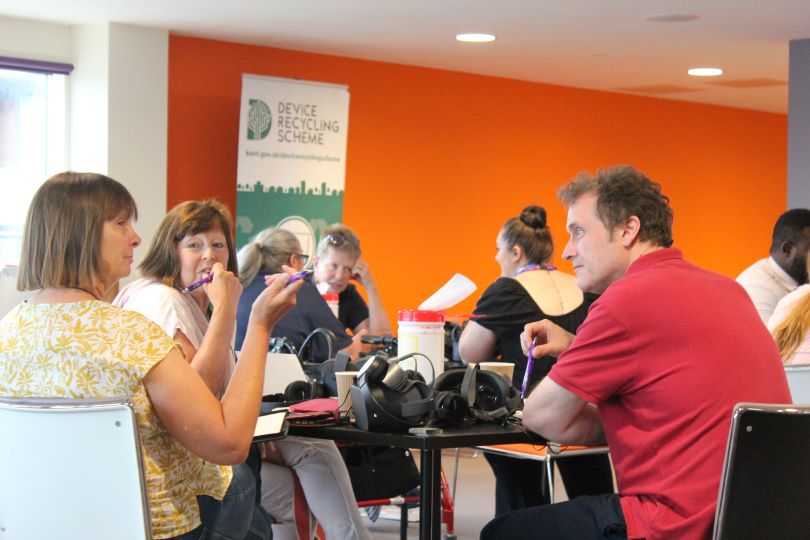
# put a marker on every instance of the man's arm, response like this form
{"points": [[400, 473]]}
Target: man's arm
{"points": [[562, 416]]}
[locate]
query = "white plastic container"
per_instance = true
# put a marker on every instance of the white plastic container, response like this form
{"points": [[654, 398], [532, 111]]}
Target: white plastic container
{"points": [[421, 331], [332, 301]]}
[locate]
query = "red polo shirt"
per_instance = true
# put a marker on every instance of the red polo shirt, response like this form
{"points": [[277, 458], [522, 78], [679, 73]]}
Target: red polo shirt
{"points": [[665, 353]]}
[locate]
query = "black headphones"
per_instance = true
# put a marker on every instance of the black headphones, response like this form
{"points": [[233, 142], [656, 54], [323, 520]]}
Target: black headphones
{"points": [[487, 396], [388, 397], [303, 390]]}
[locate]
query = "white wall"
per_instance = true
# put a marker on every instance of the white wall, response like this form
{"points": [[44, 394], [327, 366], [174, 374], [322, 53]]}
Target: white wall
{"points": [[34, 40], [799, 125], [118, 102], [138, 122]]}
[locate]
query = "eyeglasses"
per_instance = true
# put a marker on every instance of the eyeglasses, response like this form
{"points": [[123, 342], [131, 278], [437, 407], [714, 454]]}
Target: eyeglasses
{"points": [[302, 257]]}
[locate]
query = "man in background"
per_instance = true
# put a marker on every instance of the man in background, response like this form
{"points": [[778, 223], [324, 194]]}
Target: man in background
{"points": [[662, 358], [768, 280]]}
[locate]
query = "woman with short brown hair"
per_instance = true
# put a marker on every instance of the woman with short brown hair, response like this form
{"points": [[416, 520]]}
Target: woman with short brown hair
{"points": [[65, 342]]}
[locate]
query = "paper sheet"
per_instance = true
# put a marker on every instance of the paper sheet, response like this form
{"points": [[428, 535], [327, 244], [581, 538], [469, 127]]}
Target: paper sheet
{"points": [[451, 293]]}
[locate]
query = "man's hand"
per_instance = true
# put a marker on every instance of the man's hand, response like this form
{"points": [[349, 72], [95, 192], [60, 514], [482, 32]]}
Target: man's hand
{"points": [[551, 340]]}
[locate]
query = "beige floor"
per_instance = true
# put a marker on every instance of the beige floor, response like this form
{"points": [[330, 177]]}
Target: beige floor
{"points": [[475, 498]]}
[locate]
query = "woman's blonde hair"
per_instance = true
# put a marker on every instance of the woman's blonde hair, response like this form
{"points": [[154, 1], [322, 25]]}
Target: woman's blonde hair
{"points": [[790, 333], [266, 252], [191, 217], [62, 236]]}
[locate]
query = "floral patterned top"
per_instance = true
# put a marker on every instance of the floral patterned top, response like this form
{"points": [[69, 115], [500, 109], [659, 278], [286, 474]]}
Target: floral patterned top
{"points": [[93, 349]]}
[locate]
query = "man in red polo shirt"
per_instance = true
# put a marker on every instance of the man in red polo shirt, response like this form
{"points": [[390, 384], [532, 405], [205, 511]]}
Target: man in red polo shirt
{"points": [[655, 369]]}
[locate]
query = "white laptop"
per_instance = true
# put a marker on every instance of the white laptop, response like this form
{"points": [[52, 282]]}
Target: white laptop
{"points": [[281, 369]]}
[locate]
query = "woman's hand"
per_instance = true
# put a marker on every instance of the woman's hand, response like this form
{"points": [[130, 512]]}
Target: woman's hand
{"points": [[362, 274], [550, 339], [275, 301], [225, 288]]}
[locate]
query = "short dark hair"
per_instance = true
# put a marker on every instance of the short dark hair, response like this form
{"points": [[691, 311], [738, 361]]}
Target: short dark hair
{"points": [[529, 231], [191, 217], [62, 236], [789, 228], [621, 192]]}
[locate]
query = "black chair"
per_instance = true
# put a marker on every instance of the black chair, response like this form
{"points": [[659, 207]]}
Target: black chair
{"points": [[766, 474]]}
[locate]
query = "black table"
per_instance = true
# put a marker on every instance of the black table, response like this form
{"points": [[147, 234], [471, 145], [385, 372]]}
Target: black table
{"points": [[430, 447]]}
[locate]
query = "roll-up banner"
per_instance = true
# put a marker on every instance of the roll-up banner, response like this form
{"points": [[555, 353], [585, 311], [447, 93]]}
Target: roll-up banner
{"points": [[292, 157]]}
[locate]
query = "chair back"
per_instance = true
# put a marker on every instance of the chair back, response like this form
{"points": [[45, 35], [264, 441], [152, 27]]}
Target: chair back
{"points": [[71, 469], [798, 378], [766, 474]]}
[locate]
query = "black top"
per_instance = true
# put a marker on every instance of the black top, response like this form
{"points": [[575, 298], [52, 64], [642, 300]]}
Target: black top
{"points": [[352, 309], [506, 307], [310, 312]]}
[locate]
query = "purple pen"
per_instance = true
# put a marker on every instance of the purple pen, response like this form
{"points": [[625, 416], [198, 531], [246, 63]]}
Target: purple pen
{"points": [[300, 275], [197, 284], [529, 363]]}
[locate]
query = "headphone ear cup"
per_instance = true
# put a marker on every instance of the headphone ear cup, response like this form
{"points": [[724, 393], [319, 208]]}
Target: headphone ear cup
{"points": [[317, 390], [414, 375], [450, 407], [376, 371], [298, 391]]}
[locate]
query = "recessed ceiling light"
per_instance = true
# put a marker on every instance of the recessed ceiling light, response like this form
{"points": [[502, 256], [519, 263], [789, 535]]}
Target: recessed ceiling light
{"points": [[671, 17], [705, 72], [475, 38]]}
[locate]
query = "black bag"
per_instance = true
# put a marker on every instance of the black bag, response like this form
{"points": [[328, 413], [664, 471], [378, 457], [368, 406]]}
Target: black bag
{"points": [[380, 472]]}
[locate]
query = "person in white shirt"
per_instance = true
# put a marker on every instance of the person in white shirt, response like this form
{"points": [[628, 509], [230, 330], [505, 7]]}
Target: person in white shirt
{"points": [[789, 325], [768, 280]]}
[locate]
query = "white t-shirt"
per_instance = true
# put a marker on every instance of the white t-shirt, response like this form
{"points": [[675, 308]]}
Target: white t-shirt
{"points": [[170, 309], [766, 283]]}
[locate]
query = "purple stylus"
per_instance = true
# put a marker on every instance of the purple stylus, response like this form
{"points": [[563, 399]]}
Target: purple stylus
{"points": [[197, 284], [300, 275], [529, 363]]}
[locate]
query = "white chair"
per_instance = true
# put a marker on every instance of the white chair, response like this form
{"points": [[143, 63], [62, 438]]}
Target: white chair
{"points": [[798, 378], [71, 469], [766, 474]]}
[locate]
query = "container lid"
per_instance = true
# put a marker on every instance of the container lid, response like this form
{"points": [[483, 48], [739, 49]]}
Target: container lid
{"points": [[420, 315], [331, 297]]}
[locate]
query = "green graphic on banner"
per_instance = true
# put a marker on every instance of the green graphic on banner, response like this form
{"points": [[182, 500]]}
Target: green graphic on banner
{"points": [[312, 208], [260, 120]]}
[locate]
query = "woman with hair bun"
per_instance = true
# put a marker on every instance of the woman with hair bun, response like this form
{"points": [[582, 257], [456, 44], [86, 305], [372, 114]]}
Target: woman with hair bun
{"points": [[529, 289]]}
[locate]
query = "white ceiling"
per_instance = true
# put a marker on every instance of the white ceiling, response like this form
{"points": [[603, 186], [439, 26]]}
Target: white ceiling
{"points": [[596, 44]]}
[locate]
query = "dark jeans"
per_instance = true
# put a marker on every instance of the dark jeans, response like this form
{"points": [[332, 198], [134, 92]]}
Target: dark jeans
{"points": [[238, 516], [521, 483], [584, 518]]}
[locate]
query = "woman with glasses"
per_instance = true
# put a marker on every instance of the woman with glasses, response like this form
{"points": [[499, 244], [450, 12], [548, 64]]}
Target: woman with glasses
{"points": [[336, 263], [267, 252], [317, 463]]}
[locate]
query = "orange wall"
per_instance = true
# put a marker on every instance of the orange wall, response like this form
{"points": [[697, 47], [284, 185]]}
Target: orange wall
{"points": [[438, 160]]}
